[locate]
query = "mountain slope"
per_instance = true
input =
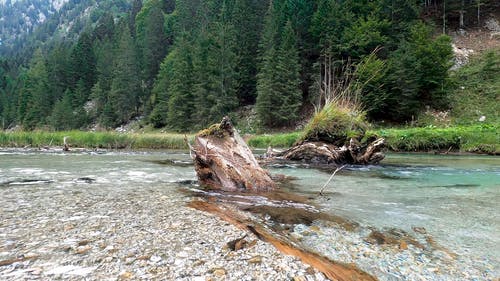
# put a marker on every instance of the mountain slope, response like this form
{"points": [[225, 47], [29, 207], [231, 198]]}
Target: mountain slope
{"points": [[25, 24]]}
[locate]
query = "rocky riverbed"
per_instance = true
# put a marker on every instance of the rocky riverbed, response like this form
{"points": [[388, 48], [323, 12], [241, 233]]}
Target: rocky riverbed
{"points": [[89, 231]]}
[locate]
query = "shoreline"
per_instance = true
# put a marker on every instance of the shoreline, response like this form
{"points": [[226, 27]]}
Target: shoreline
{"points": [[459, 140]]}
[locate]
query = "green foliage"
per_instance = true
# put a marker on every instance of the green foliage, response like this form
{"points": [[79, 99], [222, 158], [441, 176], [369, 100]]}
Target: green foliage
{"points": [[222, 55], [336, 124], [416, 76], [276, 140], [160, 94], [278, 94], [151, 39], [180, 103], [125, 88], [83, 63], [365, 35], [478, 138], [62, 117], [215, 66], [34, 101]]}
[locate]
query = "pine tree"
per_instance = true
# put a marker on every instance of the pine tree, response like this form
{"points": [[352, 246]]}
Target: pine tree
{"points": [[160, 94], [33, 103], [289, 101], [62, 117], [215, 66], [82, 62], [152, 44], [125, 87], [248, 26], [180, 103], [266, 77], [136, 8]]}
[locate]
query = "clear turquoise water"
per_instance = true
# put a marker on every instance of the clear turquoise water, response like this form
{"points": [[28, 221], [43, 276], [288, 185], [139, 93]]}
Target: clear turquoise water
{"points": [[455, 198]]}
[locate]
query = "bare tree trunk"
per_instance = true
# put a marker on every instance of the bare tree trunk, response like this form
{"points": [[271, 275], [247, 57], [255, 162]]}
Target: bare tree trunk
{"points": [[222, 160], [478, 12], [444, 16], [462, 13]]}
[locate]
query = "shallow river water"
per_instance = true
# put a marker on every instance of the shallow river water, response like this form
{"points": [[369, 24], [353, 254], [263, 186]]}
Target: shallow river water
{"points": [[453, 199]]}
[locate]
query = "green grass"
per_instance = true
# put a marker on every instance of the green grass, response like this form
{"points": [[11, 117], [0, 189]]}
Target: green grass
{"points": [[282, 140], [107, 140], [336, 123], [477, 138], [477, 91], [483, 138]]}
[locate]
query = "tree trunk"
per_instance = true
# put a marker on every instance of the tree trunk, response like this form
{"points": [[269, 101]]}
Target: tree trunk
{"points": [[222, 160]]}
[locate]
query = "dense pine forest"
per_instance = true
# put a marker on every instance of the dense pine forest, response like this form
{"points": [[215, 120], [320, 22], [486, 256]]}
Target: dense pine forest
{"points": [[183, 64]]}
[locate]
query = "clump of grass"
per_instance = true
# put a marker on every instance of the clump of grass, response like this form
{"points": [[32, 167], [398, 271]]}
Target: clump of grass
{"points": [[336, 123]]}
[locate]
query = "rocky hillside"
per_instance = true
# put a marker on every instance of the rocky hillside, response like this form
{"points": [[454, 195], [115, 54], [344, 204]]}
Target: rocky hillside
{"points": [[25, 24]]}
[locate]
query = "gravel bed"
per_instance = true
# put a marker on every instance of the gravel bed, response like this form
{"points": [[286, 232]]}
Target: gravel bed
{"points": [[83, 231]]}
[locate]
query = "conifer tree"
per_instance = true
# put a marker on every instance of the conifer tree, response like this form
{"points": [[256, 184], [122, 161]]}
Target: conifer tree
{"points": [[215, 65], [248, 26], [62, 117], [82, 62], [289, 100], [154, 44], [33, 102], [160, 93], [266, 88], [151, 39], [180, 103], [125, 87]]}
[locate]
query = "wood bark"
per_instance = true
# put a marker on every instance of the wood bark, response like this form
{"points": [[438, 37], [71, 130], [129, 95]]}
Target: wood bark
{"points": [[319, 152], [222, 160], [333, 270]]}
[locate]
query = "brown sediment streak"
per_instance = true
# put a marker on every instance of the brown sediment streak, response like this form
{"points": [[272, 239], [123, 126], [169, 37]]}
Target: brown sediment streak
{"points": [[332, 270]]}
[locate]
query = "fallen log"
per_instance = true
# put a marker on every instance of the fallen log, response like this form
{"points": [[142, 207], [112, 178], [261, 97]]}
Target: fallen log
{"points": [[332, 270], [222, 160], [321, 152]]}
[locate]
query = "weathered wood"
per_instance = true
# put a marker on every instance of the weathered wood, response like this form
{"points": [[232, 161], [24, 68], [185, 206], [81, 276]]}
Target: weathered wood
{"points": [[326, 153], [222, 160], [332, 270]]}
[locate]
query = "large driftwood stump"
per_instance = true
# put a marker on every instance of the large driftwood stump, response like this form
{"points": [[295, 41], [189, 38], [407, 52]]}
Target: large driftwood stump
{"points": [[319, 152], [222, 160]]}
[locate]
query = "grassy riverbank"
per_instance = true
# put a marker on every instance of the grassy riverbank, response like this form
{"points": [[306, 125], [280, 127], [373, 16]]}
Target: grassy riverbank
{"points": [[477, 138], [106, 140]]}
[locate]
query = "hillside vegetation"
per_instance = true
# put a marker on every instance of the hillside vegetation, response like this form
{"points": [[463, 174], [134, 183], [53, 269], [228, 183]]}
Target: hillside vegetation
{"points": [[184, 64]]}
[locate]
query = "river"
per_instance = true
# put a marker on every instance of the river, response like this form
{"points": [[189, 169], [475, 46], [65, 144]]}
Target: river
{"points": [[453, 199]]}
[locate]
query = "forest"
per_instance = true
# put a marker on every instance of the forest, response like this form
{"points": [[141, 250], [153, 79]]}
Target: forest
{"points": [[183, 64]]}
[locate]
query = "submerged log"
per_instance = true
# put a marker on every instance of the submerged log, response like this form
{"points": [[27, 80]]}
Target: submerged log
{"points": [[222, 160], [333, 270], [320, 152]]}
